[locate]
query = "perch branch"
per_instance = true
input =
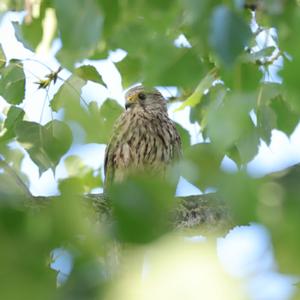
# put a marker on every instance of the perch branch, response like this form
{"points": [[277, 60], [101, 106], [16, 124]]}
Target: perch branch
{"points": [[206, 212]]}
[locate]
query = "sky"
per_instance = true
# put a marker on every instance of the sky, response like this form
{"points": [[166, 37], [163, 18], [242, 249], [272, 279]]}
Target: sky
{"points": [[245, 252]]}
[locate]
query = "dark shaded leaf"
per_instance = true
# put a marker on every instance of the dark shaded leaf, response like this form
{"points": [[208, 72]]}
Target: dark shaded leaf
{"points": [[229, 34], [80, 26], [142, 212]]}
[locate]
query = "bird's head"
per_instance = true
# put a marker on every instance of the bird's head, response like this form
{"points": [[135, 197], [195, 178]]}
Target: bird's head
{"points": [[148, 99]]}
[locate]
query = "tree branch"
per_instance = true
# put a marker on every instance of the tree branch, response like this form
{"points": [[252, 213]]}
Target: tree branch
{"points": [[205, 212]]}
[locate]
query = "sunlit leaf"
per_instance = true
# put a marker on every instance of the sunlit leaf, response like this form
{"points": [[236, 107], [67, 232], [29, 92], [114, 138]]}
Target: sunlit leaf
{"points": [[12, 83], [88, 72], [45, 144], [29, 34], [85, 175], [2, 57], [14, 115], [196, 97], [68, 93]]}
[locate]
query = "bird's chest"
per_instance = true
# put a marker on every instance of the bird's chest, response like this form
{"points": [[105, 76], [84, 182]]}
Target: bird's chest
{"points": [[146, 143]]}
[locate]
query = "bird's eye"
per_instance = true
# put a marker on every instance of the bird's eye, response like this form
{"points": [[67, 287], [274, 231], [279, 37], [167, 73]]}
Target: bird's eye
{"points": [[142, 96]]}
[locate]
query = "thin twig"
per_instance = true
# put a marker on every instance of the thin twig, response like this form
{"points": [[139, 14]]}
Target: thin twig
{"points": [[6, 167]]}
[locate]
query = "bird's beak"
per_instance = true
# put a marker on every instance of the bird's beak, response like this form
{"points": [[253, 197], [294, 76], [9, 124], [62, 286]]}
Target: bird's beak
{"points": [[127, 105], [130, 101]]}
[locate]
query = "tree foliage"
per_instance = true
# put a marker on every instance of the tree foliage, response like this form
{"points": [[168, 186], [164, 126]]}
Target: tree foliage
{"points": [[222, 73]]}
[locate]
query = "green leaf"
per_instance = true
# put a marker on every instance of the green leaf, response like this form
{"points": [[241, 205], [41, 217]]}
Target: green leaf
{"points": [[14, 116], [244, 77], [88, 72], [68, 93], [77, 169], [184, 135], [2, 57], [110, 110], [45, 144], [247, 144], [227, 122], [177, 66], [12, 83], [141, 213], [286, 118], [279, 208], [266, 122], [30, 35], [196, 97], [229, 34], [202, 165], [80, 26], [241, 193], [131, 70]]}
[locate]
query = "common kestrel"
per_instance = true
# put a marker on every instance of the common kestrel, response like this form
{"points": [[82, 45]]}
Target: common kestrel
{"points": [[144, 137]]}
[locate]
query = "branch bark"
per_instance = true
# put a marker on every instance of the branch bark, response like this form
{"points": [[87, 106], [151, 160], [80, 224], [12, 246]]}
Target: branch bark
{"points": [[205, 212]]}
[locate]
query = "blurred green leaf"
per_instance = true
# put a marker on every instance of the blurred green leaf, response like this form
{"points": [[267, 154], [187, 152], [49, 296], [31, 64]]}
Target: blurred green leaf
{"points": [[286, 118], [206, 162], [89, 179], [184, 135], [45, 144], [12, 83], [86, 281], [279, 207], [240, 191], [88, 72], [243, 77], [141, 207], [80, 26], [229, 34], [29, 34], [227, 122], [266, 122], [202, 87], [14, 115], [2, 57], [68, 93], [247, 145]]}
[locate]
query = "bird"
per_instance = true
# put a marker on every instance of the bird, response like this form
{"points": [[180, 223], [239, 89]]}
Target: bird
{"points": [[144, 138]]}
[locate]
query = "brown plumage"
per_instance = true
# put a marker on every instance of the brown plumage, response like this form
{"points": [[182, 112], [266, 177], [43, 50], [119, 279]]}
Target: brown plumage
{"points": [[144, 138]]}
